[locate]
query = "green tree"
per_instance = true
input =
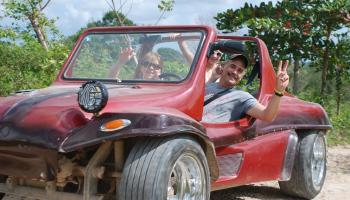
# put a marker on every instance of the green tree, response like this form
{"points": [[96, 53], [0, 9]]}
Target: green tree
{"points": [[301, 30], [165, 6], [340, 67], [114, 18], [27, 62], [31, 12], [110, 18], [28, 65], [330, 17], [169, 54]]}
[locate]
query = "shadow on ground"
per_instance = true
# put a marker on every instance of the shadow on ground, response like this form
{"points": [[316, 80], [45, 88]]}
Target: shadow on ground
{"points": [[251, 192]]}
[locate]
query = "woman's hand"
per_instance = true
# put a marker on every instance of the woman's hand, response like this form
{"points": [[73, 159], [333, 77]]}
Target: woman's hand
{"points": [[125, 55]]}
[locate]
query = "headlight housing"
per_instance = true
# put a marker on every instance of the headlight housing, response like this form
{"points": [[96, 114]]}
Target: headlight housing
{"points": [[92, 96]]}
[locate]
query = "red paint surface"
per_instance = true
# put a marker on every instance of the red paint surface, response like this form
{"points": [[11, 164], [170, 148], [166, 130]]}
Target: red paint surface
{"points": [[262, 160]]}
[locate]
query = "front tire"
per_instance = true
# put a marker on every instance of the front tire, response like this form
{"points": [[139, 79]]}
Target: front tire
{"points": [[309, 169], [2, 180], [165, 168]]}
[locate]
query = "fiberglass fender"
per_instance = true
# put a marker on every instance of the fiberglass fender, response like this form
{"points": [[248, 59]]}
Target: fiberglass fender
{"points": [[145, 122], [296, 114]]}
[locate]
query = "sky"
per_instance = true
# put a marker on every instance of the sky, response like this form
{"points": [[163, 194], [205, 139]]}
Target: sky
{"points": [[74, 14]]}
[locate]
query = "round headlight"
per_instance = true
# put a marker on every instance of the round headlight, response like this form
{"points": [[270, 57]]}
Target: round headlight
{"points": [[92, 96]]}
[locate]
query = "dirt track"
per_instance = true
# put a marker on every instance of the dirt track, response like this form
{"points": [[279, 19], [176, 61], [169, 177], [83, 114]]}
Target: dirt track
{"points": [[337, 185]]}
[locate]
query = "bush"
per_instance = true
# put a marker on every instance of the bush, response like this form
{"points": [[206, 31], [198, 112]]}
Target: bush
{"points": [[29, 66], [341, 126]]}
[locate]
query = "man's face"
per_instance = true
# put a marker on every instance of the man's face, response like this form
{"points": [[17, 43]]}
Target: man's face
{"points": [[233, 72]]}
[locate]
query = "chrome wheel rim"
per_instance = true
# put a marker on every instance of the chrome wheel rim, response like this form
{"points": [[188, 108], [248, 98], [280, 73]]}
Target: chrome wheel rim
{"points": [[187, 179], [318, 161]]}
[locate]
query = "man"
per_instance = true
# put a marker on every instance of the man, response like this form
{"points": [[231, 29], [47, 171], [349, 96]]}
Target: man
{"points": [[233, 103]]}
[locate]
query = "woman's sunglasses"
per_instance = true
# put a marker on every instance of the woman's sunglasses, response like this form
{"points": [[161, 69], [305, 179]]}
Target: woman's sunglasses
{"points": [[150, 64]]}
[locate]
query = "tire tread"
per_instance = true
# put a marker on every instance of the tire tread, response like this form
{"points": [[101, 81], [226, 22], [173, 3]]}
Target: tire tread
{"points": [[299, 184], [142, 172]]}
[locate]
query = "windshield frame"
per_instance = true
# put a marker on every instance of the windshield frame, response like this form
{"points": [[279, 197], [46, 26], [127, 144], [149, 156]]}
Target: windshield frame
{"points": [[203, 34]]}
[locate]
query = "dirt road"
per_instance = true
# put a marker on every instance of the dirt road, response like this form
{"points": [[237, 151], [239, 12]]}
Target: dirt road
{"points": [[337, 185]]}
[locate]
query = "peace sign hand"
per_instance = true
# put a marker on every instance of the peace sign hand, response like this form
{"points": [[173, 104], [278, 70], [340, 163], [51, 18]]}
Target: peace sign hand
{"points": [[282, 76]]}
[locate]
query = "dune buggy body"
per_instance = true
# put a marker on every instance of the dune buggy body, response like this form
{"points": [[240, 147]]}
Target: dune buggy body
{"points": [[51, 149]]}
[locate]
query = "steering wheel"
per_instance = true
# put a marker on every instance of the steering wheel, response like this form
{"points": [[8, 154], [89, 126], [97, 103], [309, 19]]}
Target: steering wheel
{"points": [[170, 76]]}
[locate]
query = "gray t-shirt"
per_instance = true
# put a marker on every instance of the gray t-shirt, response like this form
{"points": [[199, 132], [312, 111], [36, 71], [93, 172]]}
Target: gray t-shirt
{"points": [[232, 105]]}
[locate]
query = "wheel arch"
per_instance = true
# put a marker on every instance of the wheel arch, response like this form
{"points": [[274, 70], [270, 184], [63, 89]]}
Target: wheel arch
{"points": [[297, 115], [206, 145], [143, 125], [301, 184]]}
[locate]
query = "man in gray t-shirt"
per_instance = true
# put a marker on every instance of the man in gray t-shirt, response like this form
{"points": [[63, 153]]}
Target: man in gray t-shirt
{"points": [[224, 103], [232, 105]]}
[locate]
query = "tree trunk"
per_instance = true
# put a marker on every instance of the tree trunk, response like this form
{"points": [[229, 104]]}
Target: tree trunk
{"points": [[338, 86], [324, 71], [296, 76], [40, 35], [338, 102], [325, 64]]}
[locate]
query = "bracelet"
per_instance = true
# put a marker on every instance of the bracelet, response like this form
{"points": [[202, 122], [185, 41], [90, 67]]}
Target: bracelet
{"points": [[278, 93]]}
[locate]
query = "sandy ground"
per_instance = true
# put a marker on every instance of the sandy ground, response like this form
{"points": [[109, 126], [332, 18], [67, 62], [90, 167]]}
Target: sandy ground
{"points": [[337, 184]]}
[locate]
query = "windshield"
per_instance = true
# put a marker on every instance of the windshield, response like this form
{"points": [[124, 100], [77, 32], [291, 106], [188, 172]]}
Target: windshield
{"points": [[160, 57]]}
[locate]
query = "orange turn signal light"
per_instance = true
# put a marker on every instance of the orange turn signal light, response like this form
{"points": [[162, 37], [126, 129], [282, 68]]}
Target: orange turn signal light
{"points": [[115, 125]]}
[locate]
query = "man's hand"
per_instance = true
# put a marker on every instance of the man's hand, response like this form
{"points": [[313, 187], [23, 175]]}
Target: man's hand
{"points": [[269, 112], [282, 77]]}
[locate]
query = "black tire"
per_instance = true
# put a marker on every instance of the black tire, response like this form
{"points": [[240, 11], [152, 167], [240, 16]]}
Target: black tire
{"points": [[302, 184], [2, 180], [150, 165]]}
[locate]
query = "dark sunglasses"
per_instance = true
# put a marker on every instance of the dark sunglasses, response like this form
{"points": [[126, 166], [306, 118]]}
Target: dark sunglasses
{"points": [[150, 64]]}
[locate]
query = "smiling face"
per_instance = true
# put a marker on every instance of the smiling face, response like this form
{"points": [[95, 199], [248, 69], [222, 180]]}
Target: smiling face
{"points": [[151, 66], [233, 72]]}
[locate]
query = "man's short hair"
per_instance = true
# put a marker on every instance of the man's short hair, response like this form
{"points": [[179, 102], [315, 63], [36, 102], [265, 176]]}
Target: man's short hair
{"points": [[240, 57]]}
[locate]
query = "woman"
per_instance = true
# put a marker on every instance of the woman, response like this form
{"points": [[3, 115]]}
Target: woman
{"points": [[149, 67]]}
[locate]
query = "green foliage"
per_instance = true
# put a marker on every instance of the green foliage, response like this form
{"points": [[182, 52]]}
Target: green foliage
{"points": [[177, 68], [29, 66], [166, 5], [169, 54], [294, 29], [7, 33], [31, 19], [341, 126], [96, 56], [110, 18], [340, 120]]}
